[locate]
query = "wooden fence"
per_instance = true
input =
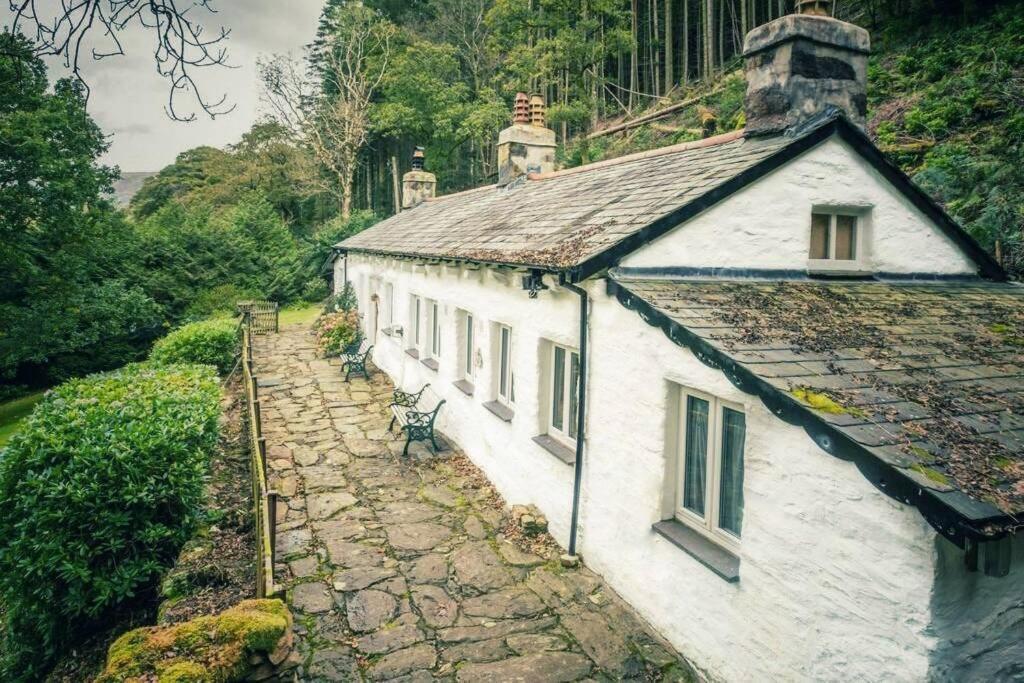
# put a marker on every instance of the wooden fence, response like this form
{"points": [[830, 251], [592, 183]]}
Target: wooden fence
{"points": [[262, 316], [264, 500]]}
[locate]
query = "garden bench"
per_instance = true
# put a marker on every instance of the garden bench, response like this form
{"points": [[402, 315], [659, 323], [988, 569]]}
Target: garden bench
{"points": [[416, 413], [356, 362], [353, 349]]}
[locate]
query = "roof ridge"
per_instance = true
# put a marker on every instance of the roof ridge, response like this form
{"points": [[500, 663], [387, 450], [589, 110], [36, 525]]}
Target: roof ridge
{"points": [[461, 192], [639, 156]]}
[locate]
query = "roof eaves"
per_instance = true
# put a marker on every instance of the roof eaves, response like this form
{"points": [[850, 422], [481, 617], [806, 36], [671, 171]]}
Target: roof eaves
{"points": [[952, 513], [449, 258], [987, 265]]}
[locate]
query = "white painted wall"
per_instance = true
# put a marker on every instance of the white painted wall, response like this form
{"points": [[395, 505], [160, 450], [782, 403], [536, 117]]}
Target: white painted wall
{"points": [[838, 581], [978, 619], [768, 224], [522, 471], [835, 577]]}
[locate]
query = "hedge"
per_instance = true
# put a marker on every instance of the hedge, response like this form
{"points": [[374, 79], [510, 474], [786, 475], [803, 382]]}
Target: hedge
{"points": [[99, 491], [208, 342]]}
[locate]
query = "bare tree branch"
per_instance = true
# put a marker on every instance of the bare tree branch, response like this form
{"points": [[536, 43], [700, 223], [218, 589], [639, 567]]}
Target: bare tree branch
{"points": [[60, 29], [326, 103]]}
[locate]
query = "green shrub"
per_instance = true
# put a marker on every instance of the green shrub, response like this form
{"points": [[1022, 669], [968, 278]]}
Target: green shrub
{"points": [[336, 331], [99, 491], [208, 342]]}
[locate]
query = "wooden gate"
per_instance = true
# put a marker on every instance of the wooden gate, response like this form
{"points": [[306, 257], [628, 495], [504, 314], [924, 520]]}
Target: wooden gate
{"points": [[262, 316]]}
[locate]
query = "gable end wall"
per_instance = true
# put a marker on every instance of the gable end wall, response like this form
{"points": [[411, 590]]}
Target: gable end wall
{"points": [[766, 226]]}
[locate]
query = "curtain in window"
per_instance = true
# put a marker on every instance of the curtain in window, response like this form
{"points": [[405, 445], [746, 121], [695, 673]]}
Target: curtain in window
{"points": [[696, 461], [469, 346], [574, 399], [734, 434], [558, 390], [504, 369]]}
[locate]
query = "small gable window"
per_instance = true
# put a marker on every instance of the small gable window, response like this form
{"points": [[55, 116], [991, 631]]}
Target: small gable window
{"points": [[837, 241]]}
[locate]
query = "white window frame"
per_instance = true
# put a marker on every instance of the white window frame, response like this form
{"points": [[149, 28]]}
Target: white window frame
{"points": [[509, 376], [433, 336], [467, 335], [708, 525], [859, 263], [563, 435]]}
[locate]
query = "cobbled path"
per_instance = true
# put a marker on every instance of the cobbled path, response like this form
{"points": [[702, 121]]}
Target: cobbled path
{"points": [[406, 570]]}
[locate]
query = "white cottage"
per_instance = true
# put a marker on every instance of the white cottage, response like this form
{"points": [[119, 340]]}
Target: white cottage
{"points": [[762, 383]]}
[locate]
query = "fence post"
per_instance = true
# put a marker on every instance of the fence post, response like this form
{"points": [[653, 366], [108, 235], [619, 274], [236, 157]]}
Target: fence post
{"points": [[258, 418], [272, 531], [262, 442]]}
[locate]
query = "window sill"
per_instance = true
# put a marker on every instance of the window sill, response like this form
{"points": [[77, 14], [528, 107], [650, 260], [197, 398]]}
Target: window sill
{"points": [[501, 410], [431, 363], [413, 353], [556, 448], [707, 552], [465, 386], [836, 268]]}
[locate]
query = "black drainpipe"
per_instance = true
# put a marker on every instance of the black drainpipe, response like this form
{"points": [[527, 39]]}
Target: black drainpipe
{"points": [[582, 411]]}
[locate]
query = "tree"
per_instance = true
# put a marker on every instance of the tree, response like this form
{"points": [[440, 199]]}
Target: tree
{"points": [[65, 305], [180, 43], [330, 112]]}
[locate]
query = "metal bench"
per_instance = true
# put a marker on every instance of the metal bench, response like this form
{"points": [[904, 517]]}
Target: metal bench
{"points": [[356, 362], [416, 413], [353, 349]]}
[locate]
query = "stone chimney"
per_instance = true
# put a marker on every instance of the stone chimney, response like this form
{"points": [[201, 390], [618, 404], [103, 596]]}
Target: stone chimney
{"points": [[526, 146], [800, 65], [417, 185]]}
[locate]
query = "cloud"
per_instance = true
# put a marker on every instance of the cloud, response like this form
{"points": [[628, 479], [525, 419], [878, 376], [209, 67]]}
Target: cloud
{"points": [[128, 97]]}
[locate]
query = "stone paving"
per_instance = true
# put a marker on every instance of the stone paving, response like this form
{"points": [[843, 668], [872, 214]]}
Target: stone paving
{"points": [[410, 570]]}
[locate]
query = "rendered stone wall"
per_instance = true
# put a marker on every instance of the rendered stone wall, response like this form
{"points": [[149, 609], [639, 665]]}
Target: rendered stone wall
{"points": [[768, 224], [835, 576], [978, 619], [522, 471]]}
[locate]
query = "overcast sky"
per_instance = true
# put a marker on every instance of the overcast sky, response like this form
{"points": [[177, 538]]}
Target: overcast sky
{"points": [[128, 96]]}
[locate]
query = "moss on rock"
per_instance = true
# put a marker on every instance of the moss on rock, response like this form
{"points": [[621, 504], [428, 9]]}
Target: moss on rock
{"points": [[211, 649]]}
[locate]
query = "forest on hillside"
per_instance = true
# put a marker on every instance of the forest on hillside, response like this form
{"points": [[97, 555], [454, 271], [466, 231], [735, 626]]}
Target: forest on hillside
{"points": [[89, 286], [383, 77]]}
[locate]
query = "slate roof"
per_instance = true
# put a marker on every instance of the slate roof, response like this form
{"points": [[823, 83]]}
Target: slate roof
{"points": [[562, 219], [580, 221], [921, 383]]}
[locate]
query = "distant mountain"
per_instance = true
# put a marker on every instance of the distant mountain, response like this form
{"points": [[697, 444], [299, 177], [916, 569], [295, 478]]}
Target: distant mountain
{"points": [[129, 184]]}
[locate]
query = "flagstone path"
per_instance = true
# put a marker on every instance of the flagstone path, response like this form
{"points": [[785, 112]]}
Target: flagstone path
{"points": [[408, 570]]}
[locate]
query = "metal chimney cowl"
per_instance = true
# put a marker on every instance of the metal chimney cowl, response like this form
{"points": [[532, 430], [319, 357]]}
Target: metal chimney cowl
{"points": [[800, 65]]}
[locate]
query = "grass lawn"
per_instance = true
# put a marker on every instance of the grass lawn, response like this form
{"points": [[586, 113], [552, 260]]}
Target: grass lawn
{"points": [[299, 316], [13, 412]]}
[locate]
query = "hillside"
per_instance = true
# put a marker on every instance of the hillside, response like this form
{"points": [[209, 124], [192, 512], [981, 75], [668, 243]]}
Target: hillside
{"points": [[128, 184], [946, 105]]}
